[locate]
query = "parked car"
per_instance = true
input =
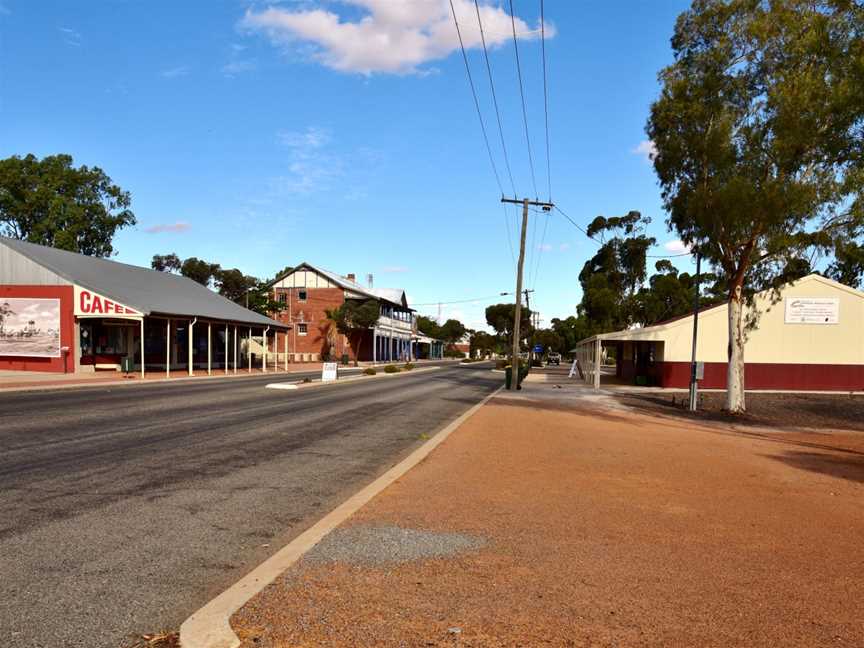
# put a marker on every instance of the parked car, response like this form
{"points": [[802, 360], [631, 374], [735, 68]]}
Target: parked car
{"points": [[554, 358]]}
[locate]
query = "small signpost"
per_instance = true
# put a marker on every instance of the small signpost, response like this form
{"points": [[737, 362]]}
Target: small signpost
{"points": [[329, 371]]}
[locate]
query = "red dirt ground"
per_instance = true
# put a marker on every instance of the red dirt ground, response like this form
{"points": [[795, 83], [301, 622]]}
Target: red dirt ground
{"points": [[603, 529]]}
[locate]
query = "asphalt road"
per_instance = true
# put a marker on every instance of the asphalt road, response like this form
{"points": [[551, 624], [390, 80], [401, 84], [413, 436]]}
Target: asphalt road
{"points": [[123, 510]]}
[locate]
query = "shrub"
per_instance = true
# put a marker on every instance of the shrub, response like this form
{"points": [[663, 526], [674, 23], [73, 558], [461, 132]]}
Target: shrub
{"points": [[391, 369], [370, 371], [501, 364], [408, 366]]}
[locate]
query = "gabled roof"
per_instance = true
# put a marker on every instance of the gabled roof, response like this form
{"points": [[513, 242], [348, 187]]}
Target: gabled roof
{"points": [[148, 291], [394, 296], [683, 319]]}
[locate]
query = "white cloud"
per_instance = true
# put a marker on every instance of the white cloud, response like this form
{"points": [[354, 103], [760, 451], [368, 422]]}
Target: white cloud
{"points": [[174, 72], [313, 137], [562, 248], [310, 166], [394, 269], [393, 36], [70, 36], [676, 246], [646, 149], [177, 228], [545, 247], [232, 69]]}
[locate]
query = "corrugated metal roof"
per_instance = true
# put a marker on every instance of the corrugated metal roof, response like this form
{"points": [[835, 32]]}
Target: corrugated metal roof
{"points": [[393, 295], [149, 291]]}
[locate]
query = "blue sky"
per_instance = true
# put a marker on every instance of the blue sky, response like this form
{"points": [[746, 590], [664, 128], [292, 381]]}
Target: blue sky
{"points": [[343, 133]]}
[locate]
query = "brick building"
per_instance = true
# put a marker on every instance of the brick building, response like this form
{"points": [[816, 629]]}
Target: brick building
{"points": [[307, 292]]}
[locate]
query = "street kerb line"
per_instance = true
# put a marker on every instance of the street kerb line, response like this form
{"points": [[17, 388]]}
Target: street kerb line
{"points": [[344, 381], [210, 626]]}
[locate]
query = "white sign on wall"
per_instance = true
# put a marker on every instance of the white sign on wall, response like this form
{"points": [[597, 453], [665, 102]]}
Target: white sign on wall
{"points": [[812, 310], [91, 304], [329, 371]]}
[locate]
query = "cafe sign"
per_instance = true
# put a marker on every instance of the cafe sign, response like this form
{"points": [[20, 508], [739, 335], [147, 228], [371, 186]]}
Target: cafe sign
{"points": [[812, 310], [91, 304]]}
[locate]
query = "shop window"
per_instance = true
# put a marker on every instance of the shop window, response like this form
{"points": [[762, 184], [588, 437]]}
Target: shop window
{"points": [[301, 329], [301, 295]]}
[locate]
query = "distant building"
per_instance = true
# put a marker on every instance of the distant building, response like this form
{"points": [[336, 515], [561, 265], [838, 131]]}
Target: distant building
{"points": [[307, 292], [810, 338]]}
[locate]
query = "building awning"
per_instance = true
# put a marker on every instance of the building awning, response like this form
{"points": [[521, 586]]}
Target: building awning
{"points": [[149, 292]]}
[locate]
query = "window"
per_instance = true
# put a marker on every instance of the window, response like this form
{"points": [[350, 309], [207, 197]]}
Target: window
{"points": [[282, 297], [301, 294], [301, 329]]}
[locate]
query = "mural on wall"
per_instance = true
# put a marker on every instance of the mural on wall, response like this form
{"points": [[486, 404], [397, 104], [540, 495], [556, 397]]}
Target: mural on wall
{"points": [[30, 327]]}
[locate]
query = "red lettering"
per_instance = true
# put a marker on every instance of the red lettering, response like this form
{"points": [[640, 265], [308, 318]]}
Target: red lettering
{"points": [[85, 301], [97, 305]]}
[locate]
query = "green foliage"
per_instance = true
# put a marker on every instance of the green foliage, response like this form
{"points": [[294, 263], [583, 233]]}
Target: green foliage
{"points": [[391, 369], [370, 371], [428, 326], [483, 344], [501, 317], [611, 278], [51, 202], [452, 331], [166, 262], [550, 340], [353, 318], [571, 330], [408, 366], [759, 132], [200, 271], [451, 352], [848, 265]]}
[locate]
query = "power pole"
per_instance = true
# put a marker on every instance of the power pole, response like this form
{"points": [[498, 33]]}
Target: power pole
{"points": [[694, 385], [517, 316]]}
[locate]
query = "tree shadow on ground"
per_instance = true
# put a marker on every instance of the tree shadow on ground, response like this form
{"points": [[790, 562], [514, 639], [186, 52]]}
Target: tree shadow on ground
{"points": [[815, 412], [849, 467]]}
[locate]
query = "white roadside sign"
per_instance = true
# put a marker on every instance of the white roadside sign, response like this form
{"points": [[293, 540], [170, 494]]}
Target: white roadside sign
{"points": [[812, 310], [329, 371]]}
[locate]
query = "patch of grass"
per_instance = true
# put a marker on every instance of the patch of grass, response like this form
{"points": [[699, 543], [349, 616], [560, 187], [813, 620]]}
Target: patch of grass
{"points": [[423, 437], [370, 371], [408, 366], [391, 369]]}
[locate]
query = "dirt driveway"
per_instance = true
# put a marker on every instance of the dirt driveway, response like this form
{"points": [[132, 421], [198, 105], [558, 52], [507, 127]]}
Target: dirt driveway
{"points": [[535, 524]]}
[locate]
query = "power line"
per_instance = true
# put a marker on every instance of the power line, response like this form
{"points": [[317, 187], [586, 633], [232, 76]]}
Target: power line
{"points": [[465, 301], [509, 236], [647, 256], [545, 98], [476, 101], [522, 94], [494, 97], [540, 252]]}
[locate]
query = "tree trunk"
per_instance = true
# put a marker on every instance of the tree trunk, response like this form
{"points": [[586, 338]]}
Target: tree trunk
{"points": [[357, 350], [735, 370]]}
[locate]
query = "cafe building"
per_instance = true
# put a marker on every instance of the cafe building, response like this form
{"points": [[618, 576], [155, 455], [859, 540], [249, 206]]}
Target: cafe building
{"points": [[64, 312]]}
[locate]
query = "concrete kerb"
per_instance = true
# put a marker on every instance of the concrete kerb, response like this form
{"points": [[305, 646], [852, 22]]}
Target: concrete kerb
{"points": [[342, 381], [210, 627]]}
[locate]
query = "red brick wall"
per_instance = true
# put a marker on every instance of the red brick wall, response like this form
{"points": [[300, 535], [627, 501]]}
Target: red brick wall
{"points": [[312, 313], [67, 328]]}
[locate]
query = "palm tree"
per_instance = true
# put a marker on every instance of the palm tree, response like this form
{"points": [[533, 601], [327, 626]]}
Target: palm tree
{"points": [[5, 311]]}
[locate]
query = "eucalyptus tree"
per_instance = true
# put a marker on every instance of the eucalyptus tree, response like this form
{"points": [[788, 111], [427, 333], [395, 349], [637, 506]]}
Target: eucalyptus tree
{"points": [[759, 133]]}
